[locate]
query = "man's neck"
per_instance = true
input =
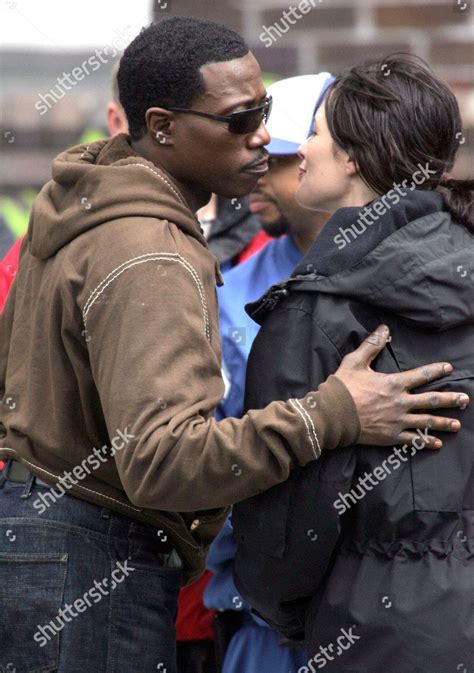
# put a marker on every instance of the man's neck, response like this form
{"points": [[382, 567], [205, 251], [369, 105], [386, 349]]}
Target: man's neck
{"points": [[195, 200]]}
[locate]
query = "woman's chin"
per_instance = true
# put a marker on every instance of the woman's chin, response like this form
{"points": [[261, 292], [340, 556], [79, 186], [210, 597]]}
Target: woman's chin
{"points": [[305, 198]]}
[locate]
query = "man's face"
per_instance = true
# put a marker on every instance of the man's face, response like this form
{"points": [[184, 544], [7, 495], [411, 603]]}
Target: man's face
{"points": [[207, 156], [273, 199]]}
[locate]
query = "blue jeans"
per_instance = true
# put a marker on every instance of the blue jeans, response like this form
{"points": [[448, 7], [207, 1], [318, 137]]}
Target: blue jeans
{"points": [[82, 589]]}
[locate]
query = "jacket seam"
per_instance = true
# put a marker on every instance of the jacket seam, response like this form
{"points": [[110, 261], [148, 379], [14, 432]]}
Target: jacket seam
{"points": [[175, 191], [316, 321], [84, 488], [150, 257], [102, 495]]}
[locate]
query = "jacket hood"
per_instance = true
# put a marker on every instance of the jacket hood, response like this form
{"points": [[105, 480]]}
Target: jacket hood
{"points": [[97, 183], [414, 261]]}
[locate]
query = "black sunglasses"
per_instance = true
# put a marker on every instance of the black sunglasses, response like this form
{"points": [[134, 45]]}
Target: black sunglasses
{"points": [[246, 121]]}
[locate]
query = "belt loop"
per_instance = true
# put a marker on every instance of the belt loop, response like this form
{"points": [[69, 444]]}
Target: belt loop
{"points": [[5, 472], [105, 513], [29, 483]]}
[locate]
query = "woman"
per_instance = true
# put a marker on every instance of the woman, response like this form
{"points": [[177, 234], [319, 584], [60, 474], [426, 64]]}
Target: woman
{"points": [[369, 555]]}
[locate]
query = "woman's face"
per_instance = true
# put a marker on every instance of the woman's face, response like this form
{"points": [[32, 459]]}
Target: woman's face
{"points": [[324, 175]]}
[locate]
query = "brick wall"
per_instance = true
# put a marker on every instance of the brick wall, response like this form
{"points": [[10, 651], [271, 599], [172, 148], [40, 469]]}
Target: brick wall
{"points": [[337, 33]]}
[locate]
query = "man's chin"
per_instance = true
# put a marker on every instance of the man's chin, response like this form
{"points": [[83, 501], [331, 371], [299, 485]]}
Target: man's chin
{"points": [[238, 188], [274, 227]]}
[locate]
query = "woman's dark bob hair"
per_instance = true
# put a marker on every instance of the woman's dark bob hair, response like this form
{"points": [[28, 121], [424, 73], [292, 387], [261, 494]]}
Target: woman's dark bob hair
{"points": [[390, 115]]}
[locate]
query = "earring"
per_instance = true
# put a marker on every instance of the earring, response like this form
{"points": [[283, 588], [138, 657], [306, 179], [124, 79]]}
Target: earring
{"points": [[160, 136]]}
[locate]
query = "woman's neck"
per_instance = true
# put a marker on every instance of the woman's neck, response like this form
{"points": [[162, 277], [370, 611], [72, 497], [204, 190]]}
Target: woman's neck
{"points": [[357, 197]]}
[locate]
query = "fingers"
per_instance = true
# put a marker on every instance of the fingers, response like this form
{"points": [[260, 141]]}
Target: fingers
{"points": [[434, 423], [413, 439], [437, 400], [370, 347], [414, 378]]}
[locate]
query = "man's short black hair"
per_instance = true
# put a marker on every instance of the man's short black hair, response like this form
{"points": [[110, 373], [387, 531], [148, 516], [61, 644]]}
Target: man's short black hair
{"points": [[160, 67]]}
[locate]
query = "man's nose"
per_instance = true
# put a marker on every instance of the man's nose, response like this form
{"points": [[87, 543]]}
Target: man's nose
{"points": [[260, 137]]}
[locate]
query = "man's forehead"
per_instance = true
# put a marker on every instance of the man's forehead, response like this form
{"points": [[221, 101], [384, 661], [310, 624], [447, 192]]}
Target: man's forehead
{"points": [[236, 81]]}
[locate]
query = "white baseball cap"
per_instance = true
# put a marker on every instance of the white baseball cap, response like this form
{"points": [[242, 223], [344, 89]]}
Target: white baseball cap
{"points": [[295, 101]]}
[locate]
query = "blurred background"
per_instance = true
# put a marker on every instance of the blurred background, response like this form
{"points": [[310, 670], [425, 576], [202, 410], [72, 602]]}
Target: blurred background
{"points": [[56, 62]]}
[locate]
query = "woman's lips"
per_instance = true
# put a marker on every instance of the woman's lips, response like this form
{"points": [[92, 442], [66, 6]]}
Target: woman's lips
{"points": [[301, 174]]}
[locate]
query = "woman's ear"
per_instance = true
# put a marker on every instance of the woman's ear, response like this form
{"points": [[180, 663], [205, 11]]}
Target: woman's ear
{"points": [[351, 167]]}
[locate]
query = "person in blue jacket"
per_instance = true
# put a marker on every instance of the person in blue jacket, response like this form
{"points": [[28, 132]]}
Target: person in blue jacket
{"points": [[256, 648]]}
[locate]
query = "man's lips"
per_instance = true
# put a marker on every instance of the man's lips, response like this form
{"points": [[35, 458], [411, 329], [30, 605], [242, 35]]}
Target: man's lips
{"points": [[258, 202], [258, 206], [259, 167]]}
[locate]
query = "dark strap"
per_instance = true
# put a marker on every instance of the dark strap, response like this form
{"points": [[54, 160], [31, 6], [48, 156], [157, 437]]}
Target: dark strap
{"points": [[20, 474]]}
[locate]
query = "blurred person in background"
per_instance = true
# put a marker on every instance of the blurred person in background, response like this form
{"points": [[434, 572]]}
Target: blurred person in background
{"points": [[116, 117], [232, 232], [14, 216], [18, 214]]}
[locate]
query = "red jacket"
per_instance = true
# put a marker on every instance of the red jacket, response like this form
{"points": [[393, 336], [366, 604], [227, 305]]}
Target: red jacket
{"points": [[8, 269], [256, 244], [194, 621]]}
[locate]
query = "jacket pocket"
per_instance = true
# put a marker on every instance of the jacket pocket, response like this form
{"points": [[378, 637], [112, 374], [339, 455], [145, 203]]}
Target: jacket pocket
{"points": [[31, 594], [443, 481]]}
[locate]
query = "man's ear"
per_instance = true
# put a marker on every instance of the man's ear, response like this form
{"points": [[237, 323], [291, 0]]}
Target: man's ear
{"points": [[160, 125]]}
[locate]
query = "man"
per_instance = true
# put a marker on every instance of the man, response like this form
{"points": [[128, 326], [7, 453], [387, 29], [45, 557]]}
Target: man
{"points": [[273, 200], [109, 338]]}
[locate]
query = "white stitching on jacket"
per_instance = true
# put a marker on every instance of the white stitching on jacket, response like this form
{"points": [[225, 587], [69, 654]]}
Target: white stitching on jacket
{"points": [[315, 435], [294, 403], [50, 474], [150, 257], [164, 180], [101, 495]]}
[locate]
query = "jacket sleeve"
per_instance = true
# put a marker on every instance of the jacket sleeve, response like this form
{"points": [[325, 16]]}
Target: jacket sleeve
{"points": [[159, 382]]}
